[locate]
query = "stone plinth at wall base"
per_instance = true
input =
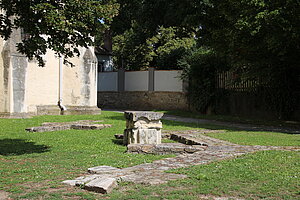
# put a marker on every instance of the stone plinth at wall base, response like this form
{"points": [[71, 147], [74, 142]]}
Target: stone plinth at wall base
{"points": [[48, 110], [142, 127], [82, 110], [143, 100], [71, 110], [16, 115]]}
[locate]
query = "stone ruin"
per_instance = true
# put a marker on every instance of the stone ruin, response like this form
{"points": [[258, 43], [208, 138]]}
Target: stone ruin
{"points": [[60, 126], [143, 134], [142, 127]]}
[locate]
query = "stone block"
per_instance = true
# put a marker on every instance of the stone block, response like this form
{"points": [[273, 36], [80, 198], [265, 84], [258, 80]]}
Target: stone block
{"points": [[102, 169], [138, 148], [165, 148], [90, 126], [136, 115], [101, 185], [59, 126], [142, 127], [142, 136], [81, 180]]}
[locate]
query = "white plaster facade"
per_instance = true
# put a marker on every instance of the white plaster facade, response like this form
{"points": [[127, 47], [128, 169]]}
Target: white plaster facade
{"points": [[26, 88]]}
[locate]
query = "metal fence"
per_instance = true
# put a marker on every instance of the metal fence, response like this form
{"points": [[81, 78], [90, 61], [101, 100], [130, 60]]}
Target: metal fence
{"points": [[231, 81]]}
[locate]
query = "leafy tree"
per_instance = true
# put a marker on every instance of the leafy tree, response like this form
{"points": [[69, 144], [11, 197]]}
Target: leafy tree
{"points": [[59, 25], [169, 46], [261, 39], [200, 68], [134, 51], [153, 32], [131, 50]]}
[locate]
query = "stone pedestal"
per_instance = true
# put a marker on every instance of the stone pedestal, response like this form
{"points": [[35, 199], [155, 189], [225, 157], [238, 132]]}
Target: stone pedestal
{"points": [[142, 127]]}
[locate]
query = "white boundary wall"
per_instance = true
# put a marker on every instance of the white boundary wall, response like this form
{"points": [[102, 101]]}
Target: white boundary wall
{"points": [[163, 81], [136, 81], [108, 81], [168, 81]]}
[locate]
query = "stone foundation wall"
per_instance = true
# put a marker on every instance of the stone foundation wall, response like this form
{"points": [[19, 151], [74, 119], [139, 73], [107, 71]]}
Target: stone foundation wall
{"points": [[143, 100]]}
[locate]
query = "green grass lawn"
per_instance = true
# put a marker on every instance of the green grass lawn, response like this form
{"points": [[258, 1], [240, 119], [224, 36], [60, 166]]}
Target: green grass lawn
{"points": [[263, 175], [32, 165]]}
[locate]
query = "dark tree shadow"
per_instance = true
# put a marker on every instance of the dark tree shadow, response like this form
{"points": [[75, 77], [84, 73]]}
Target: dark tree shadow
{"points": [[12, 147], [118, 142], [218, 125]]}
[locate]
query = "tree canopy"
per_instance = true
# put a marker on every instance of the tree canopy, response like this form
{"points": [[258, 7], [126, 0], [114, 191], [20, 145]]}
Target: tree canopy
{"points": [[59, 25], [259, 39]]}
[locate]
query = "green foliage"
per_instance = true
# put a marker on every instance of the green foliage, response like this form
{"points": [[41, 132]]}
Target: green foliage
{"points": [[201, 68], [169, 46], [59, 25], [260, 39], [148, 33], [135, 49], [131, 50]]}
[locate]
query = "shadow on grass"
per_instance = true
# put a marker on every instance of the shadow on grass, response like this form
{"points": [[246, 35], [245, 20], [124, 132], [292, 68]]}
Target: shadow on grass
{"points": [[217, 125], [197, 125], [12, 147], [118, 142], [184, 124]]}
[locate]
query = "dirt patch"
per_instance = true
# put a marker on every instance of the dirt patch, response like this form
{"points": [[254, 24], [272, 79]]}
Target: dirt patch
{"points": [[4, 195], [211, 197]]}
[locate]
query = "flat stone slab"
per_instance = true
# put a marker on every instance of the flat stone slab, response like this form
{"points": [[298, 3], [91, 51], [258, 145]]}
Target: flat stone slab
{"points": [[136, 115], [197, 138], [165, 148], [102, 169], [90, 126], [101, 185], [59, 126]]}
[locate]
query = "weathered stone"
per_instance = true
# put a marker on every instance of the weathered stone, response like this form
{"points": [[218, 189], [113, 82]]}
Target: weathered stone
{"points": [[187, 139], [142, 127], [81, 180], [101, 185], [59, 126], [82, 110], [90, 126], [137, 115], [102, 169], [161, 100], [145, 124], [48, 128], [165, 148], [142, 136]]}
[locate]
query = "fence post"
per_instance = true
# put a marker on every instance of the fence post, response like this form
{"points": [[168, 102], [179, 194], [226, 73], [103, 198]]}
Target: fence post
{"points": [[151, 72], [185, 85], [121, 80]]}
